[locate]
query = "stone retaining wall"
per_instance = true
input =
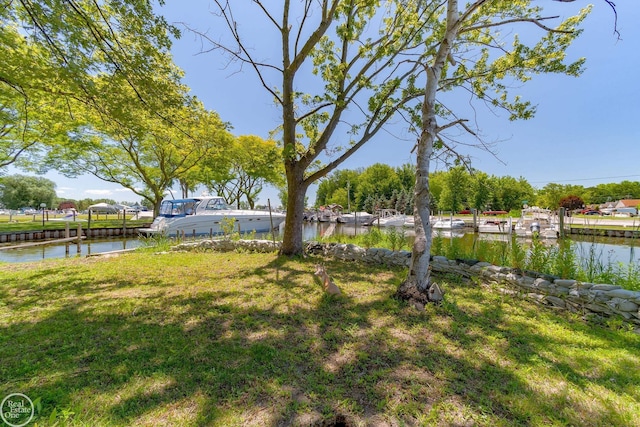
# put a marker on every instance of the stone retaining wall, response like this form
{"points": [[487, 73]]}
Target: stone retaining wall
{"points": [[600, 299]]}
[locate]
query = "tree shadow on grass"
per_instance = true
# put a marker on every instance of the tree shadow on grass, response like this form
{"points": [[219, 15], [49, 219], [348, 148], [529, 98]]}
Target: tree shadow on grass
{"points": [[266, 346]]}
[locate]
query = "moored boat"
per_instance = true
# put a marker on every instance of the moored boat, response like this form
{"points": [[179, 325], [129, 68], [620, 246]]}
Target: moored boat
{"points": [[352, 218], [448, 224], [207, 215], [540, 229], [495, 226], [389, 218]]}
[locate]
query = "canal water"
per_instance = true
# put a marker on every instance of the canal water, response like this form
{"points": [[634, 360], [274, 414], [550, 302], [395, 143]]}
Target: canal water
{"points": [[87, 247], [607, 249]]}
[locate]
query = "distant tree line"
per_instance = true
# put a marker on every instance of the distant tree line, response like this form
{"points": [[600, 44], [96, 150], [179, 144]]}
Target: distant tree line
{"points": [[381, 186], [23, 191]]}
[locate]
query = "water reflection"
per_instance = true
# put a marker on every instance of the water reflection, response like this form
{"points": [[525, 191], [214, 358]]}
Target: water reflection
{"points": [[608, 249], [61, 250]]}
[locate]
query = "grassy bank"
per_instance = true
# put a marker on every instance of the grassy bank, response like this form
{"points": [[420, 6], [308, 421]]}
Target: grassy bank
{"points": [[238, 339]]}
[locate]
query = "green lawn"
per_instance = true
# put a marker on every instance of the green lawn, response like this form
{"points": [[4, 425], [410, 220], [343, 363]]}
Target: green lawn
{"points": [[191, 339]]}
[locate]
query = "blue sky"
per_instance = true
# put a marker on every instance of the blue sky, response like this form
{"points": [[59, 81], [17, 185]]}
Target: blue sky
{"points": [[584, 132]]}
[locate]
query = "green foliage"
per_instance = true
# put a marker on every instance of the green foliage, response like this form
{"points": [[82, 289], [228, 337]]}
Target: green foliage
{"points": [[455, 249], [437, 244], [245, 167], [20, 191], [228, 227], [156, 243], [539, 256], [518, 254], [455, 193], [377, 181], [67, 60], [357, 188], [372, 238], [564, 263], [395, 237], [595, 268]]}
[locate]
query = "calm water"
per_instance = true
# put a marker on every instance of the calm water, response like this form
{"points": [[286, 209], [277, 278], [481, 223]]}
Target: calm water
{"points": [[606, 248], [87, 247]]}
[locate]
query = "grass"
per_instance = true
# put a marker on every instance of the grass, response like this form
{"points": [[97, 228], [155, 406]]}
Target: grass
{"points": [[192, 339]]}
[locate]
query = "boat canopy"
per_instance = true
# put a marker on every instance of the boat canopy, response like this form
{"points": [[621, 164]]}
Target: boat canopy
{"points": [[178, 207]]}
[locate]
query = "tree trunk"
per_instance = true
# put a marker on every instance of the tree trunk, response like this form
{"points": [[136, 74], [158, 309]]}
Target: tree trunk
{"points": [[421, 251], [416, 285], [296, 190]]}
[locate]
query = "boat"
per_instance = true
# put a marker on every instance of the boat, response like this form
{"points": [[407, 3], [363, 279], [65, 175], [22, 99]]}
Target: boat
{"points": [[351, 218], [389, 218], [538, 229], [207, 215], [495, 226], [329, 213], [448, 224]]}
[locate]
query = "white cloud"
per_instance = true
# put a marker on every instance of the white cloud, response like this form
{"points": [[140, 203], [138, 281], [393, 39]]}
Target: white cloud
{"points": [[125, 190], [99, 192]]}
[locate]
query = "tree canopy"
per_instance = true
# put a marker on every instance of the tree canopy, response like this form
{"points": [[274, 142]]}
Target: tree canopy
{"points": [[101, 95], [249, 163], [80, 54], [20, 191]]}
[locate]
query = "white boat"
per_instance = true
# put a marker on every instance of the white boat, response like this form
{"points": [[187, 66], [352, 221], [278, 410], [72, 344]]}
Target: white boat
{"points": [[538, 229], [207, 215], [351, 218], [495, 226], [448, 224], [389, 218]]}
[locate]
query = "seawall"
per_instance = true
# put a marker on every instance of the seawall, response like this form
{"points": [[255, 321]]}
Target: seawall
{"points": [[24, 236]]}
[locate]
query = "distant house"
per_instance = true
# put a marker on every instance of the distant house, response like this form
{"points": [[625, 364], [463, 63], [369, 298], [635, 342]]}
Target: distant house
{"points": [[627, 203], [627, 207], [67, 204]]}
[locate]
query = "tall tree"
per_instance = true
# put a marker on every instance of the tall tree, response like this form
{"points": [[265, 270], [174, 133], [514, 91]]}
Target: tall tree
{"points": [[466, 48], [378, 181], [455, 193], [343, 181], [480, 190], [354, 78], [32, 118]]}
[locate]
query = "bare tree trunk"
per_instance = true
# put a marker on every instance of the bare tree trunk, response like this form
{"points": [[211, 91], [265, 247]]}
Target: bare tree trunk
{"points": [[417, 284], [296, 190], [184, 187]]}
